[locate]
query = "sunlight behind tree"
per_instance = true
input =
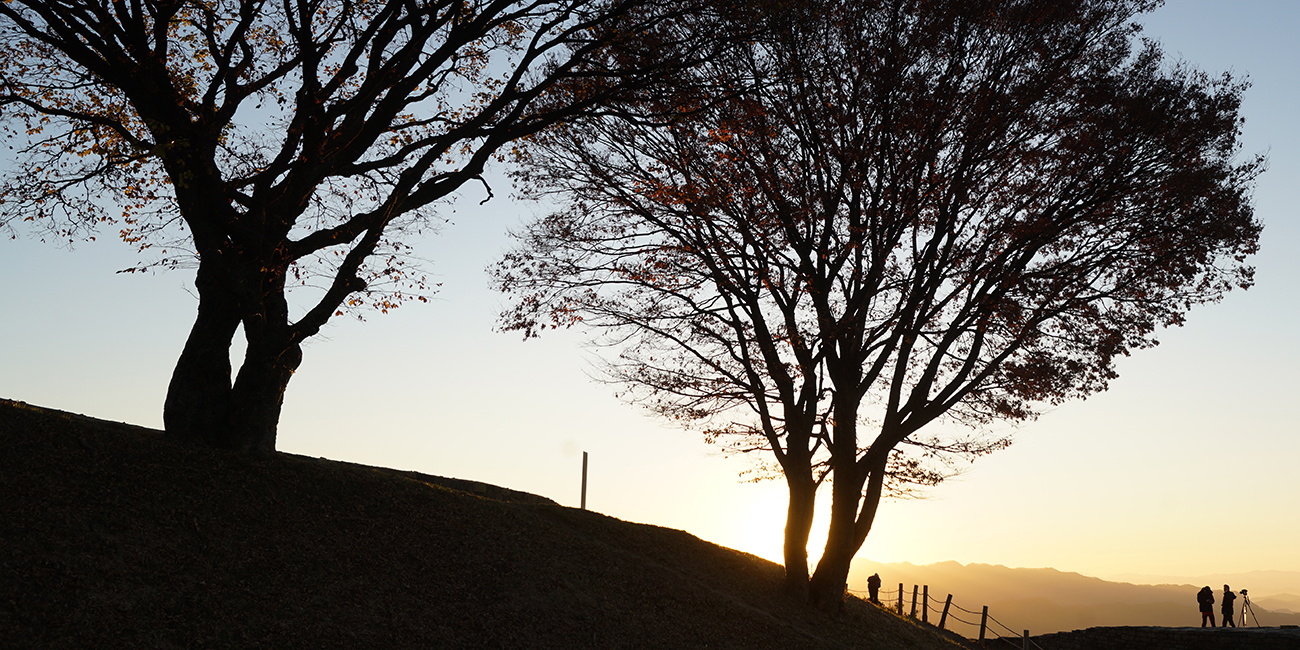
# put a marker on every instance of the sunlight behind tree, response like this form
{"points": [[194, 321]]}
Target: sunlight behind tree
{"points": [[927, 213]]}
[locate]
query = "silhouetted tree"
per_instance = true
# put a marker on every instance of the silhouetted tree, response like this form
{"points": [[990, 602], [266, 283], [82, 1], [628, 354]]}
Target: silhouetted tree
{"points": [[295, 143], [933, 210]]}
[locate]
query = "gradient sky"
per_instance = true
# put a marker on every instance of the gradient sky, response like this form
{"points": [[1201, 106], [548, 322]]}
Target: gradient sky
{"points": [[1187, 466]]}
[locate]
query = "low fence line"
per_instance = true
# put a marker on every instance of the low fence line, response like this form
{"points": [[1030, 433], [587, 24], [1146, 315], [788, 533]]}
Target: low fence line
{"points": [[921, 599]]}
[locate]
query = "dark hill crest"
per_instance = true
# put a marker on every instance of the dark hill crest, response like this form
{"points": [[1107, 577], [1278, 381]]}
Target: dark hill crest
{"points": [[112, 537]]}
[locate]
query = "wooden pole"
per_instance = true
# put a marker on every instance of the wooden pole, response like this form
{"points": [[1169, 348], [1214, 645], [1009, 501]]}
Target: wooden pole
{"points": [[584, 480], [984, 623], [900, 599], [1025, 645], [944, 618], [925, 604], [913, 601]]}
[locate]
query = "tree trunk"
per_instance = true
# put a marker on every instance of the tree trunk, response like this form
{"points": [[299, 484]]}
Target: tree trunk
{"points": [[826, 588], [202, 406], [198, 395], [798, 524], [272, 356], [849, 529], [258, 395]]}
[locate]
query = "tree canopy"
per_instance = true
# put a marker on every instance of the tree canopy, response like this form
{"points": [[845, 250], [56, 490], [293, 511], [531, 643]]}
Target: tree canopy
{"points": [[928, 211], [294, 144]]}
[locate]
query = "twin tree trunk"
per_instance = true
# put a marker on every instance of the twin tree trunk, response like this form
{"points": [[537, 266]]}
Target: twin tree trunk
{"points": [[853, 511], [203, 407], [848, 530], [852, 514]]}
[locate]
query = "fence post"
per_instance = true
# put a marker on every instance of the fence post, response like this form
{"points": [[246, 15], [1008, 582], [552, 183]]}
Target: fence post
{"points": [[900, 599], [1025, 645], [946, 604], [584, 480], [984, 623], [913, 601], [925, 604]]}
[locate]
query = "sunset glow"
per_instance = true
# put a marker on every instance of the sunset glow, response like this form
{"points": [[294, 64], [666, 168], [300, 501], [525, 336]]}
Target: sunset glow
{"points": [[1184, 467]]}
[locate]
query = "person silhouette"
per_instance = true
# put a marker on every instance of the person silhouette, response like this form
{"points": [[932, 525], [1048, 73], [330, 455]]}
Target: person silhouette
{"points": [[1206, 598], [1228, 597], [873, 587]]}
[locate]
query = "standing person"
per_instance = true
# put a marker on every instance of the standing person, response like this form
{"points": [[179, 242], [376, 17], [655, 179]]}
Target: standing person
{"points": [[873, 587], [1228, 597], [1206, 598]]}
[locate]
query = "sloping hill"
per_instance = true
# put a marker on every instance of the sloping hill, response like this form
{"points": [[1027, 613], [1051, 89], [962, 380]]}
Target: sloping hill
{"points": [[111, 537]]}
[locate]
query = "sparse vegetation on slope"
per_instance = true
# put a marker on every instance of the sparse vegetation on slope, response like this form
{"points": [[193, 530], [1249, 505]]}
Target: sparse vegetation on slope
{"points": [[112, 537]]}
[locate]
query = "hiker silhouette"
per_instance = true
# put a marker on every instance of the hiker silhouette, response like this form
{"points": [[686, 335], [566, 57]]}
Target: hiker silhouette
{"points": [[1206, 598]]}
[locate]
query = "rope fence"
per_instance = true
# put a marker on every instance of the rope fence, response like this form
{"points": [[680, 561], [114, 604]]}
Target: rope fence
{"points": [[896, 599]]}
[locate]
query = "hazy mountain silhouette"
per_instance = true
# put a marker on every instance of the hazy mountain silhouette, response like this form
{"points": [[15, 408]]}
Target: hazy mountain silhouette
{"points": [[1289, 603], [1260, 583], [1047, 600]]}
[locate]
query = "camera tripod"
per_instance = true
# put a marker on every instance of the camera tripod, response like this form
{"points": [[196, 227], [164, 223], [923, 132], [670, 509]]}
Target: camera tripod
{"points": [[1245, 607]]}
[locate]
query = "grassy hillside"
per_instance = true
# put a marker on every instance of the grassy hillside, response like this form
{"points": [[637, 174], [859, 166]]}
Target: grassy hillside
{"points": [[111, 537]]}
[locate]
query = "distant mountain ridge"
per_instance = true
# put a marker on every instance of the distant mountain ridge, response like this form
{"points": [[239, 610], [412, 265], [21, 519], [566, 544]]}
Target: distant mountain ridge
{"points": [[1289, 603], [1260, 583], [1272, 590], [1047, 600]]}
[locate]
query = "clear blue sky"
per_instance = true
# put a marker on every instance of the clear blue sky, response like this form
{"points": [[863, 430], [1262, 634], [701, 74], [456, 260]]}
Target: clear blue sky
{"points": [[1187, 466]]}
